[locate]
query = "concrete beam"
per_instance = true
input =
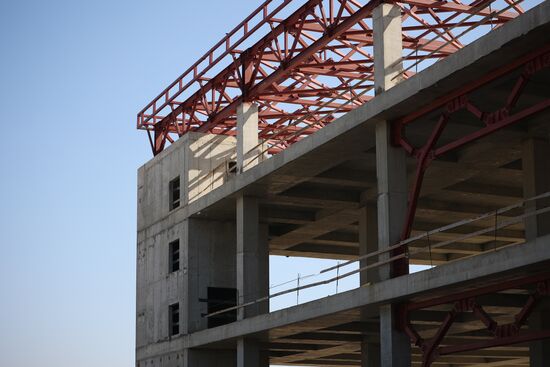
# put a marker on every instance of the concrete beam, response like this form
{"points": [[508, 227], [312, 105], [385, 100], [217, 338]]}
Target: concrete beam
{"points": [[330, 144], [529, 258]]}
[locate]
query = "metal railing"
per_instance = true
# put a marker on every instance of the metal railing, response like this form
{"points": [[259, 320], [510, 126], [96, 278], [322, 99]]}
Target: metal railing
{"points": [[386, 252]]}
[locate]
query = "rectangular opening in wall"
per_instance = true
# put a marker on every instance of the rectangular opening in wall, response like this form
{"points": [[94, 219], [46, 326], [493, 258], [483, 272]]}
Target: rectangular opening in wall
{"points": [[219, 299], [174, 321], [232, 166], [174, 188], [174, 256]]}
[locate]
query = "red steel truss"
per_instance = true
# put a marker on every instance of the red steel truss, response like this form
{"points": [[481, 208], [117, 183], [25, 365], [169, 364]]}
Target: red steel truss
{"points": [[464, 302], [307, 68], [510, 112]]}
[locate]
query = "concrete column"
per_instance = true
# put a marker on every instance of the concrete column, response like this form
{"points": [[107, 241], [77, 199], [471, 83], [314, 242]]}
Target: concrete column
{"points": [[368, 242], [536, 181], [388, 46], [370, 353], [252, 257], [539, 351], [208, 260], [249, 353], [392, 207], [247, 136], [391, 173], [395, 346], [252, 275]]}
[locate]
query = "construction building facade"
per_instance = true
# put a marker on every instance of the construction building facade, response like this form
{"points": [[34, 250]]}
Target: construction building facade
{"points": [[368, 132]]}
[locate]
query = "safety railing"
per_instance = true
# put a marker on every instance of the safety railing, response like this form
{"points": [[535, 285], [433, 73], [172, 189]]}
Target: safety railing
{"points": [[529, 208]]}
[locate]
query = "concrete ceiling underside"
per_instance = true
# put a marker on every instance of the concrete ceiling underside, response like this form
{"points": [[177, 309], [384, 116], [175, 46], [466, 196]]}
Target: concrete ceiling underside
{"points": [[312, 204], [316, 215], [336, 339]]}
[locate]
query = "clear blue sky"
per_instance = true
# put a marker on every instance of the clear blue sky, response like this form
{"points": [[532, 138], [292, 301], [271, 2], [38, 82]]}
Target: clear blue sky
{"points": [[73, 75]]}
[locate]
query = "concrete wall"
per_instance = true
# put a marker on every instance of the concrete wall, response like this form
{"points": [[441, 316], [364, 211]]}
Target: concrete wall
{"points": [[209, 260], [157, 288], [199, 159], [207, 257], [164, 360], [208, 162], [153, 181]]}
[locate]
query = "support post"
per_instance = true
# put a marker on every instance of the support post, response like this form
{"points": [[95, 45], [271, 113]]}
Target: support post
{"points": [[370, 353], [392, 179], [536, 181], [252, 258], [539, 351], [252, 276], [252, 246], [368, 242], [247, 136], [250, 354], [392, 209], [392, 198], [388, 46]]}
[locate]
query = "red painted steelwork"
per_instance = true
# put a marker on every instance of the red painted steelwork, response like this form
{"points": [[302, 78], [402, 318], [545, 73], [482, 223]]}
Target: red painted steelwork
{"points": [[293, 66], [457, 101], [464, 302]]}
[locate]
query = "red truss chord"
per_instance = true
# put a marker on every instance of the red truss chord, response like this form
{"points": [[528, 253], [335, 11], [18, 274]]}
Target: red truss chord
{"points": [[468, 302], [490, 121], [305, 70]]}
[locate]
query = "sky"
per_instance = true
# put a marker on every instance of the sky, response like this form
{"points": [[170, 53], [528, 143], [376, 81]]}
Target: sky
{"points": [[73, 75]]}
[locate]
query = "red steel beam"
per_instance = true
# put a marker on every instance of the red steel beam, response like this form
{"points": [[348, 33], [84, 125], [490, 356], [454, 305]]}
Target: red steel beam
{"points": [[457, 101], [502, 335], [320, 38], [287, 68]]}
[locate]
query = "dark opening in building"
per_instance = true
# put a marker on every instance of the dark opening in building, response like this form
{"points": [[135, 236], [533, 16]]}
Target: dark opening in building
{"points": [[219, 299], [174, 188], [174, 256], [232, 166], [174, 321]]}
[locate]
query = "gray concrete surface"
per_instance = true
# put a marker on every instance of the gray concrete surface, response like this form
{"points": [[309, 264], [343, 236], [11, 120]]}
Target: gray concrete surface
{"points": [[290, 185], [481, 270]]}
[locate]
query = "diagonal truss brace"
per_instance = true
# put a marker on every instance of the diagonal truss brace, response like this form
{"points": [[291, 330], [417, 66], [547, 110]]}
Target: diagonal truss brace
{"points": [[466, 302], [491, 121]]}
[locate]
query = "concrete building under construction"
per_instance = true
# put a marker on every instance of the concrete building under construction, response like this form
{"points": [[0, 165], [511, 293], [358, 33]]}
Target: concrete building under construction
{"points": [[382, 134]]}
